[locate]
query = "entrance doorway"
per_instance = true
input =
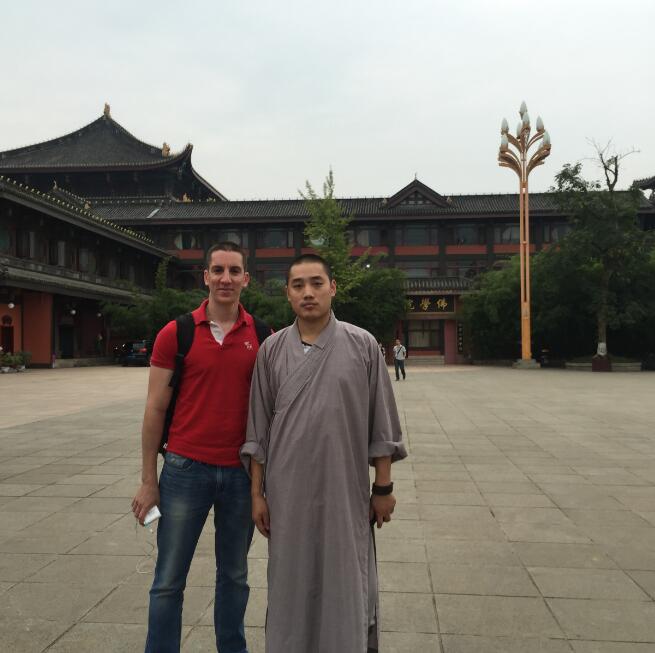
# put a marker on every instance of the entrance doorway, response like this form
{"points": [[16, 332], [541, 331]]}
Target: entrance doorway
{"points": [[7, 339], [67, 340], [425, 335]]}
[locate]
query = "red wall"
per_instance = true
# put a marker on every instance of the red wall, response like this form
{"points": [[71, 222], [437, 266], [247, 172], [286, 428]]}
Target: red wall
{"points": [[37, 309]]}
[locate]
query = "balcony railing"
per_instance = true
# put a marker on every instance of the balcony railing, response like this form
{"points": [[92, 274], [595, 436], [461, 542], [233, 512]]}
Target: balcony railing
{"points": [[437, 284]]}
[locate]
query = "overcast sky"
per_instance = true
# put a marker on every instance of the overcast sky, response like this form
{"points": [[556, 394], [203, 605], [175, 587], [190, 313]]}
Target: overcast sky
{"points": [[274, 93]]}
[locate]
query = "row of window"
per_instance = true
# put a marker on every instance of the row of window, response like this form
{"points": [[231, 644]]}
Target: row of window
{"points": [[62, 253], [405, 235]]}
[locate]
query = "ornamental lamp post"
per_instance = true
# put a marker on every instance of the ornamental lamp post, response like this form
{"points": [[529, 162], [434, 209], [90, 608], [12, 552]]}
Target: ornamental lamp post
{"points": [[514, 154]]}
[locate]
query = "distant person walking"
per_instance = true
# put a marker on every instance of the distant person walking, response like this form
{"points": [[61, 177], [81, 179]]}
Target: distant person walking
{"points": [[399, 356]]}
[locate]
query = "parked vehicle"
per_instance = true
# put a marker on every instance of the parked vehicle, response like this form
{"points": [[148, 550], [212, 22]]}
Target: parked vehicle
{"points": [[133, 352]]}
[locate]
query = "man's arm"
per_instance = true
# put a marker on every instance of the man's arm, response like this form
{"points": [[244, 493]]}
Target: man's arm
{"points": [[259, 506], [159, 396], [382, 506]]}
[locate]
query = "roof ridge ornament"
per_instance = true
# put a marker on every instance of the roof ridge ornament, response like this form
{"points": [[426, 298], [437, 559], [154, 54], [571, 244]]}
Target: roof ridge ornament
{"points": [[165, 149], [106, 112]]}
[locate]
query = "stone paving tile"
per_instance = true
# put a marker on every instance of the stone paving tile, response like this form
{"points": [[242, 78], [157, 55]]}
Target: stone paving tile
{"points": [[128, 604], [404, 577], [586, 583], [446, 552], [407, 613], [202, 639], [51, 601], [555, 554], [495, 616], [619, 621], [117, 638], [29, 635], [391, 642], [16, 490], [645, 580], [476, 644], [82, 570], [18, 566], [477, 580], [591, 460], [611, 647]]}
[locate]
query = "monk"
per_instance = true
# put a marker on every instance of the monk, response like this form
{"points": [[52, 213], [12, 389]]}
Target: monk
{"points": [[321, 410]]}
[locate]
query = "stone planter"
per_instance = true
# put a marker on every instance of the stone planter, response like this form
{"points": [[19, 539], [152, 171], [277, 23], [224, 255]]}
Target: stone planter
{"points": [[4, 369]]}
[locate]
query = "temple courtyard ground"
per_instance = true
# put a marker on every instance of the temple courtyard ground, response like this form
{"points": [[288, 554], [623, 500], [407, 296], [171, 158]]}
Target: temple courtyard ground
{"points": [[525, 519]]}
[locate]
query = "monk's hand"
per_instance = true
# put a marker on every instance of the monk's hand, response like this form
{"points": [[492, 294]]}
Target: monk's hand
{"points": [[260, 515], [146, 497], [381, 508]]}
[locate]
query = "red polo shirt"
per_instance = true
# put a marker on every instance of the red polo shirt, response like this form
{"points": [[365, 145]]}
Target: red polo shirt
{"points": [[209, 424]]}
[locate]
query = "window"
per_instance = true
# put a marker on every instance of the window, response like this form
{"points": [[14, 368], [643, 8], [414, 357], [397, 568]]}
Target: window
{"points": [[416, 234], [86, 260], [275, 238], [231, 235], [27, 244], [507, 234], [185, 240], [424, 334], [465, 234], [419, 270], [60, 249], [5, 239], [271, 272], [370, 236], [554, 232], [465, 268]]}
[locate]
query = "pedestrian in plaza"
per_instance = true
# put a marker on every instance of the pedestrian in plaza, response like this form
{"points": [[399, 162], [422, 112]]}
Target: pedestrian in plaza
{"points": [[202, 468], [321, 410], [399, 356]]}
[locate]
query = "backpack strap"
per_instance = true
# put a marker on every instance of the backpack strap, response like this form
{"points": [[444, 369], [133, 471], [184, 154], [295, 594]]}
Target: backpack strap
{"points": [[186, 328], [262, 329]]}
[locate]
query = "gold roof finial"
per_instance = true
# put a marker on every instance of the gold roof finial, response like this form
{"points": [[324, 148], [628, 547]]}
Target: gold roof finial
{"points": [[165, 149], [107, 110]]}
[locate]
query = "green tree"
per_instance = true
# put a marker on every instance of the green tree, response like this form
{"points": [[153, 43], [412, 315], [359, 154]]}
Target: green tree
{"points": [[606, 241], [368, 295], [147, 314], [268, 303]]}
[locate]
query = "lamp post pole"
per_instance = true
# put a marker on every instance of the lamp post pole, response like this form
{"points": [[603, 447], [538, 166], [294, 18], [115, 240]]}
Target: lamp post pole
{"points": [[518, 158]]}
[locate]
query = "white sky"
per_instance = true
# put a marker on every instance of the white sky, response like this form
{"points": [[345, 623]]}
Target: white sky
{"points": [[274, 93]]}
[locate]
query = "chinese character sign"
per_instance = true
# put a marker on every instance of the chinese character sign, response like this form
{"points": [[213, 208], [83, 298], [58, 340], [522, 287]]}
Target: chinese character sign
{"points": [[430, 304]]}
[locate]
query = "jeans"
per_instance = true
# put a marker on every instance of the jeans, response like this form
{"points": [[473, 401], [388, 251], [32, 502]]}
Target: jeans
{"points": [[188, 490], [399, 365]]}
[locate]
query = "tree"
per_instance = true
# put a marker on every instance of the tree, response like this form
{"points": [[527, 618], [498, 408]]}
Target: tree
{"points": [[368, 295], [269, 304], [147, 314], [606, 241]]}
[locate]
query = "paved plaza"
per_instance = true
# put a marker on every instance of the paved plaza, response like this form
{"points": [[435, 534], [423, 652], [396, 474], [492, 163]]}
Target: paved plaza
{"points": [[525, 519]]}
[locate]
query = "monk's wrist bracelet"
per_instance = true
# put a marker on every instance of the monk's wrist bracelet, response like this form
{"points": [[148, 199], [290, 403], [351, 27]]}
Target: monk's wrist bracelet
{"points": [[382, 490]]}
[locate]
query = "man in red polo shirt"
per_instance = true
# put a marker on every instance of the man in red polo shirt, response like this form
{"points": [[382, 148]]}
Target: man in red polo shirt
{"points": [[202, 467]]}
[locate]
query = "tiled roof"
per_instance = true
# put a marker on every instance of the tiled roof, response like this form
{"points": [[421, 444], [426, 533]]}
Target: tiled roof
{"points": [[101, 144], [80, 215], [648, 182], [141, 211]]}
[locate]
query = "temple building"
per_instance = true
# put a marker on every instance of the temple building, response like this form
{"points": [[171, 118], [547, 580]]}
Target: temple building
{"points": [[441, 242]]}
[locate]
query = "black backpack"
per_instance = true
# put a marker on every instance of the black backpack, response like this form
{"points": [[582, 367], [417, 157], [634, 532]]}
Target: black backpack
{"points": [[186, 329]]}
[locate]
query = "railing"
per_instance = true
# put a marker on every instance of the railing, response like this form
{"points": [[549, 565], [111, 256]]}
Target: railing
{"points": [[437, 284], [65, 273]]}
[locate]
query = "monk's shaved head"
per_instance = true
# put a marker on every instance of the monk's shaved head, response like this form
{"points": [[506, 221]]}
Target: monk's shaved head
{"points": [[310, 258]]}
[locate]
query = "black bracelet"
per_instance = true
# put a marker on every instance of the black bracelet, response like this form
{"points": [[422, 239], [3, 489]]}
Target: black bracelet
{"points": [[382, 490]]}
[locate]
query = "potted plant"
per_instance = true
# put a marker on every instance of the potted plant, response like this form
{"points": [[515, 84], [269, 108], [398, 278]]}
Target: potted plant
{"points": [[5, 363], [25, 358]]}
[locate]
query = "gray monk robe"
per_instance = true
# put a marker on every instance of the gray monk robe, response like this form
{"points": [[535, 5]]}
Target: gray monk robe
{"points": [[316, 421]]}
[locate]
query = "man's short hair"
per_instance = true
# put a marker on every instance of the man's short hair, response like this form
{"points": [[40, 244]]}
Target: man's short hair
{"points": [[310, 258], [225, 246]]}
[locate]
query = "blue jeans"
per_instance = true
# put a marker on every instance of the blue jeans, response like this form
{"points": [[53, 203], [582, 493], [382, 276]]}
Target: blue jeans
{"points": [[188, 489], [399, 365]]}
